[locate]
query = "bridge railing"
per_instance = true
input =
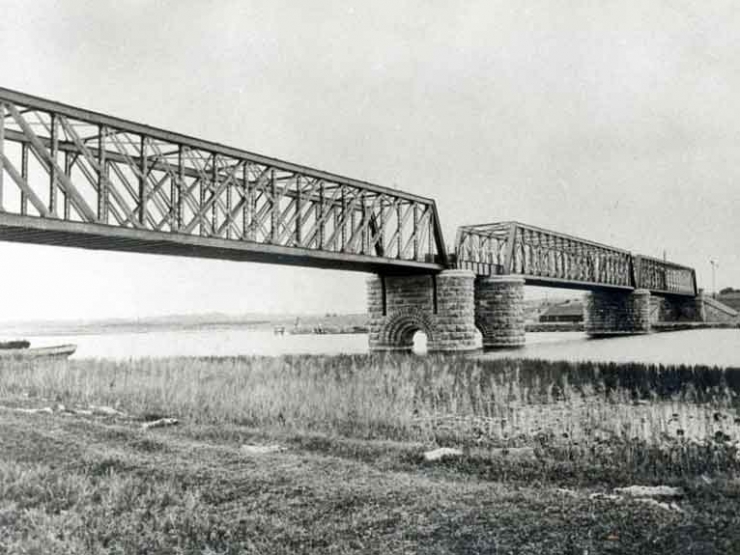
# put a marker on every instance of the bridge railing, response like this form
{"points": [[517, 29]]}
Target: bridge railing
{"points": [[546, 257], [66, 164]]}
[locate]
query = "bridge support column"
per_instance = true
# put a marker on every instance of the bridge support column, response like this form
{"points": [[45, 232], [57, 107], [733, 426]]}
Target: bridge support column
{"points": [[442, 306], [678, 309], [612, 313], [499, 311]]}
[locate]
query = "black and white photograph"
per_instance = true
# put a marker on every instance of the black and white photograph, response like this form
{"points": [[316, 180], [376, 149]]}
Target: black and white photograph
{"points": [[338, 277]]}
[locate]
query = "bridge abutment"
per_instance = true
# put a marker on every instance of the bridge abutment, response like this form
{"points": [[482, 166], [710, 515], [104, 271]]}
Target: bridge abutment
{"points": [[701, 308], [499, 311], [442, 306], [678, 309], [609, 313]]}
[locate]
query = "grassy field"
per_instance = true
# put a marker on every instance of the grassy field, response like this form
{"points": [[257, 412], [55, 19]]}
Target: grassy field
{"points": [[83, 476]]}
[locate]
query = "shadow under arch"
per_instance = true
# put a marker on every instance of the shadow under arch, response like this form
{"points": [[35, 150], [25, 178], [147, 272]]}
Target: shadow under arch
{"points": [[480, 325], [398, 331]]}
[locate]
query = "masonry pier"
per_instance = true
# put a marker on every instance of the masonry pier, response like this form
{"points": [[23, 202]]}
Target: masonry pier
{"points": [[450, 306], [609, 313], [442, 306], [499, 311]]}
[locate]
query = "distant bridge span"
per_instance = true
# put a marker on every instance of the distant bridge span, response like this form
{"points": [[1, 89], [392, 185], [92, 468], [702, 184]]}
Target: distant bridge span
{"points": [[74, 177], [552, 259]]}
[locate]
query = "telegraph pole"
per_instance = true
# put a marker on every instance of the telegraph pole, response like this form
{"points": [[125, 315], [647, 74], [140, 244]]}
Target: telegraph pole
{"points": [[714, 267]]}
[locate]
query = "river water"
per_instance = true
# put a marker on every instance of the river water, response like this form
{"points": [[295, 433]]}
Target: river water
{"points": [[713, 347]]}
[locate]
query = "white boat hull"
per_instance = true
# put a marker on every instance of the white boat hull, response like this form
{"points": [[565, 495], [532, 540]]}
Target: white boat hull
{"points": [[57, 351]]}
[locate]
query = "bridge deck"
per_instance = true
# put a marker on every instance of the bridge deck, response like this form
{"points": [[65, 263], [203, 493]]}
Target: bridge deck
{"points": [[42, 231], [73, 177]]}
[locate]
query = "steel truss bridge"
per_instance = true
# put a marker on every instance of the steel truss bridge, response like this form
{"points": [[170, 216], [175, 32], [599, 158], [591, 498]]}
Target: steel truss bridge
{"points": [[553, 259], [79, 178], [74, 177]]}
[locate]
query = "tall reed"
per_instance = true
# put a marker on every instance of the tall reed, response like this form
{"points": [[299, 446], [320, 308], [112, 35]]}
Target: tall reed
{"points": [[441, 398]]}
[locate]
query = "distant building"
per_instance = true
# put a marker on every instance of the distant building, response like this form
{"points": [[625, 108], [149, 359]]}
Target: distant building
{"points": [[730, 297], [569, 311]]}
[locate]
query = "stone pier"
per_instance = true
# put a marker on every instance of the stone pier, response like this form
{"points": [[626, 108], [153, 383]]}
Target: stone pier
{"points": [[452, 306], [499, 311], [442, 306], [609, 313]]}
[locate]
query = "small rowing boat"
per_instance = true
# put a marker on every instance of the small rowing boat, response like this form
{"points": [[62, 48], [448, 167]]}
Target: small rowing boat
{"points": [[25, 353]]}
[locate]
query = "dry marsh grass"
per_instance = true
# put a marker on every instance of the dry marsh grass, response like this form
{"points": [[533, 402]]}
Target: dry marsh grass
{"points": [[432, 399], [102, 484]]}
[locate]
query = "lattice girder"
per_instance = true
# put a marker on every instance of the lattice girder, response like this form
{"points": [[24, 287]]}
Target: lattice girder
{"points": [[66, 165], [550, 258]]}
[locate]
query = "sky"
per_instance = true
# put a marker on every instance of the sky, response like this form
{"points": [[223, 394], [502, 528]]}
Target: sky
{"points": [[616, 121]]}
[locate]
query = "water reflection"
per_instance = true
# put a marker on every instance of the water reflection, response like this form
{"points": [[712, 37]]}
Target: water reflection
{"points": [[711, 347]]}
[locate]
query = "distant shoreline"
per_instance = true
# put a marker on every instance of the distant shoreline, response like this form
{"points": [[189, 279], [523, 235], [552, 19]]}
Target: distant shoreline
{"points": [[329, 323]]}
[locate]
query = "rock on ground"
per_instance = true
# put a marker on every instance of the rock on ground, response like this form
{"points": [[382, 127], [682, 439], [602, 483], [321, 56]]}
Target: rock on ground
{"points": [[650, 491], [44, 410], [252, 449], [161, 423], [673, 507], [438, 454], [105, 411]]}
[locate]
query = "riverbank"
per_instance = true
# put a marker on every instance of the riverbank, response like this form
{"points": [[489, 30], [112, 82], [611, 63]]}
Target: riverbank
{"points": [[326, 454], [196, 489]]}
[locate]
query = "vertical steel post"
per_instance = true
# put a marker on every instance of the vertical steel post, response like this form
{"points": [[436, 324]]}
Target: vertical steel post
{"points": [[352, 226], [380, 233], [344, 219], [430, 237], [246, 222], [102, 176], [251, 207], [180, 185], [68, 173], [524, 241], [53, 170], [2, 153], [214, 189], [228, 208], [142, 180], [202, 201], [363, 231], [399, 238], [176, 183], [274, 208], [321, 217], [416, 231], [509, 260], [298, 211], [337, 223], [24, 175]]}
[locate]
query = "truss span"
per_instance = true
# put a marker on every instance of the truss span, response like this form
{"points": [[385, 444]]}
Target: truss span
{"points": [[553, 259], [79, 178]]}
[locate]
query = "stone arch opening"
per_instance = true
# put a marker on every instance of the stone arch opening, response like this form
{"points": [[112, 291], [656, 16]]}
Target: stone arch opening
{"points": [[482, 328], [399, 330]]}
